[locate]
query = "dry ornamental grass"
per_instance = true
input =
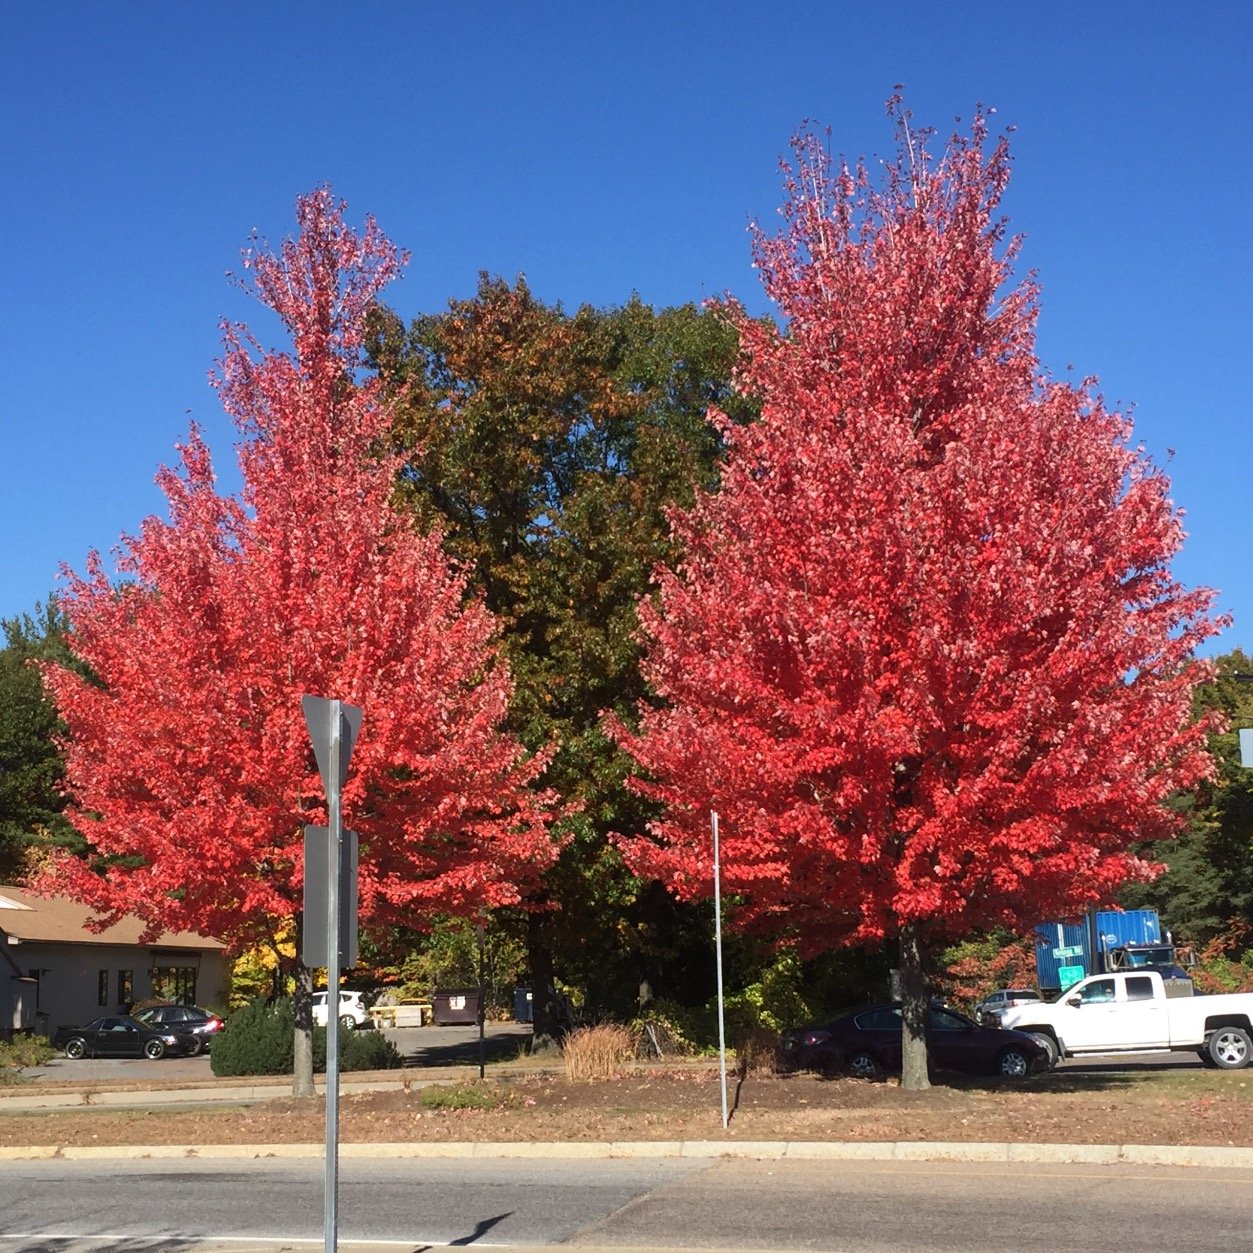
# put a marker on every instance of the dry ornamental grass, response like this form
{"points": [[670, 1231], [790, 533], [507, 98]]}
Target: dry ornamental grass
{"points": [[598, 1052]]}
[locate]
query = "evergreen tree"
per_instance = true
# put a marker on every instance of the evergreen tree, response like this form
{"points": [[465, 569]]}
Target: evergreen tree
{"points": [[32, 770]]}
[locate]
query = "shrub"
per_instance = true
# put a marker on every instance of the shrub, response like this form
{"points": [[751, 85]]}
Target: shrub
{"points": [[597, 1052], [258, 1040], [1221, 974], [772, 1003], [358, 1050], [753, 1015], [464, 1096], [20, 1051], [1226, 965], [671, 1029]]}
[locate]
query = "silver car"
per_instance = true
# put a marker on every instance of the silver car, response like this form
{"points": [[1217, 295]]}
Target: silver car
{"points": [[989, 1010]]}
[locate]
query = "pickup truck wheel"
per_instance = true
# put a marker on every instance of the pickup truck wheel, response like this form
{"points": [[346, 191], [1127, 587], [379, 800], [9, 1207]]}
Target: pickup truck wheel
{"points": [[1230, 1048], [1049, 1045], [1013, 1063]]}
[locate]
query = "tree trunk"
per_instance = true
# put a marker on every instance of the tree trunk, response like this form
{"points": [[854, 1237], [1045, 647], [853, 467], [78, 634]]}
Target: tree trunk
{"points": [[302, 1044], [545, 1027], [915, 1007]]}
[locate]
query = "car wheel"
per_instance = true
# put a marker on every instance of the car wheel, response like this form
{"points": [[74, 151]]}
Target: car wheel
{"points": [[1012, 1063], [863, 1065], [1049, 1045], [196, 1046], [1230, 1048], [74, 1049], [348, 1022], [154, 1050]]}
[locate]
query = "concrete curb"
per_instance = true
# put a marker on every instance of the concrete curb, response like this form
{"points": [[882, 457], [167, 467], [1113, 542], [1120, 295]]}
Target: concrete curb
{"points": [[1211, 1156], [226, 1094]]}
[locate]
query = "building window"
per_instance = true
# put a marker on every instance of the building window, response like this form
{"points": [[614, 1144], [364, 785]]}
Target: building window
{"points": [[102, 988], [175, 983], [125, 987]]}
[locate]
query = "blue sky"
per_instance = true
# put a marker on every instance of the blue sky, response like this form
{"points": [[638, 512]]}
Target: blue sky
{"points": [[600, 150]]}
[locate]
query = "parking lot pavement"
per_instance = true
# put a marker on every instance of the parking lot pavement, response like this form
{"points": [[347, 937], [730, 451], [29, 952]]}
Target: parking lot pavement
{"points": [[1108, 1063], [418, 1046], [459, 1046]]}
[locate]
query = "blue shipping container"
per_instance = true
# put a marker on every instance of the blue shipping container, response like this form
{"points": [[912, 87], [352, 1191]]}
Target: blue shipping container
{"points": [[1132, 926], [1063, 949], [1060, 946]]}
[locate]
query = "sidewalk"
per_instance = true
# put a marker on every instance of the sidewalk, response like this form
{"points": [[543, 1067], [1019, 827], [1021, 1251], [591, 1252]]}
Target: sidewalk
{"points": [[122, 1093]]}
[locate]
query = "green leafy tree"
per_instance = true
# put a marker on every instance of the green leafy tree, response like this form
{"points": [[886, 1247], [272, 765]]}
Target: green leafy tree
{"points": [[1207, 890], [32, 771], [548, 447]]}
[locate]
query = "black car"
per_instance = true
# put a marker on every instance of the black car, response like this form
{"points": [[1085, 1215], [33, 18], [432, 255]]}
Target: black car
{"points": [[867, 1042], [186, 1019], [123, 1036]]}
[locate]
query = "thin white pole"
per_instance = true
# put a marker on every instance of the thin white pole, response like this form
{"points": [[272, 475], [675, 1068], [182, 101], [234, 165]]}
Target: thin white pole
{"points": [[334, 823], [722, 1032]]}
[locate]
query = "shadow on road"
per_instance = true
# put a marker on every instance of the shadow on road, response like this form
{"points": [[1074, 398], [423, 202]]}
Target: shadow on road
{"points": [[1107, 1074], [481, 1228], [452, 1046]]}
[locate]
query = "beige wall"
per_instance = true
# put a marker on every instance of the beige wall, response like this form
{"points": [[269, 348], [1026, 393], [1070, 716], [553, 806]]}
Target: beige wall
{"points": [[69, 977]]}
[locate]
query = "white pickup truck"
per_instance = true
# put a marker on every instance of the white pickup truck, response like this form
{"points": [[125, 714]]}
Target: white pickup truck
{"points": [[1131, 1013]]}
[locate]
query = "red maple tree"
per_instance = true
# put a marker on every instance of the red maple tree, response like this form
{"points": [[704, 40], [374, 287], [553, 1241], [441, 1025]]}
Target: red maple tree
{"points": [[925, 654], [188, 756]]}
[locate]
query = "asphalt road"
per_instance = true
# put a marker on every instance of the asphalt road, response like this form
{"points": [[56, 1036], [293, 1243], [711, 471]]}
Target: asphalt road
{"points": [[868, 1207]]}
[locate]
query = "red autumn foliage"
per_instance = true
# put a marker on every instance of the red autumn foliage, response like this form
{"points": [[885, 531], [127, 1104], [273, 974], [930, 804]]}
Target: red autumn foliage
{"points": [[189, 759], [1219, 967], [925, 654], [970, 977]]}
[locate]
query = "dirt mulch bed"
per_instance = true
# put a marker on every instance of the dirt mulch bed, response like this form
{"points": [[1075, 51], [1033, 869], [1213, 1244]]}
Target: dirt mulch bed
{"points": [[1191, 1107]]}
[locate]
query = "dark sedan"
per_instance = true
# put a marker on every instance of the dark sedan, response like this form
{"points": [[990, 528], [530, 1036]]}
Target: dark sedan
{"points": [[190, 1020], [122, 1036], [867, 1043]]}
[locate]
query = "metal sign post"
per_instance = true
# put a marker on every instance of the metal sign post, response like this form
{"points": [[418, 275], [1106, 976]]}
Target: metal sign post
{"points": [[333, 728], [479, 934], [722, 1033]]}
